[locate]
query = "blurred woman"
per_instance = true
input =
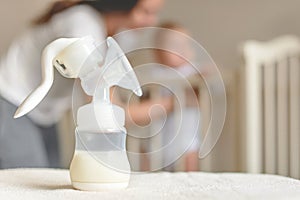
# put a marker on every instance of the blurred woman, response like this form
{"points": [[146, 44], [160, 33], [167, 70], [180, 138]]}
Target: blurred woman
{"points": [[22, 140]]}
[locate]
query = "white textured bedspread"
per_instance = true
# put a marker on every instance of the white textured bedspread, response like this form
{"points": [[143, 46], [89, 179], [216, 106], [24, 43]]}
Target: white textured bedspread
{"points": [[23, 184]]}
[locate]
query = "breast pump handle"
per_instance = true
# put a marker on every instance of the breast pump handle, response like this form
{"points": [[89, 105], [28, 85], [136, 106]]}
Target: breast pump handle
{"points": [[37, 95]]}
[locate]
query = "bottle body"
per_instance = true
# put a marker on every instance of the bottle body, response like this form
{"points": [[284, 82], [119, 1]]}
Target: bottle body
{"points": [[100, 161]]}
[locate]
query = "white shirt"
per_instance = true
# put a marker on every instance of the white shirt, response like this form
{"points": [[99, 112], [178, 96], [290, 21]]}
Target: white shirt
{"points": [[20, 68]]}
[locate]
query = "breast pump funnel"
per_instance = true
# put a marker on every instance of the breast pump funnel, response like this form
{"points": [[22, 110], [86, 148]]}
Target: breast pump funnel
{"points": [[100, 160]]}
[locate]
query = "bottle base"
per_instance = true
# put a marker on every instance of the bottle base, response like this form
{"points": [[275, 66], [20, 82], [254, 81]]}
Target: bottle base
{"points": [[99, 186]]}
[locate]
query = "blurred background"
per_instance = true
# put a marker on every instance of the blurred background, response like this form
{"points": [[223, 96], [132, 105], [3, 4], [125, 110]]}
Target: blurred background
{"points": [[221, 27]]}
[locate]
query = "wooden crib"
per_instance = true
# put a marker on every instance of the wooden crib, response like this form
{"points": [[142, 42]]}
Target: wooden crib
{"points": [[271, 106]]}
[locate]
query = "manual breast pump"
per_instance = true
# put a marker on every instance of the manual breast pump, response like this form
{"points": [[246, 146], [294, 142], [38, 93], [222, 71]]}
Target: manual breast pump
{"points": [[100, 160]]}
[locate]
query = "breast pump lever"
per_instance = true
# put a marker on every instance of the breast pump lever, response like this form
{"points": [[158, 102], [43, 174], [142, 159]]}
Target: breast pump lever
{"points": [[68, 56]]}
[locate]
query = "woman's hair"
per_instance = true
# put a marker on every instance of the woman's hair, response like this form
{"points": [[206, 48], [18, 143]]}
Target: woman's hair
{"points": [[162, 35], [103, 6]]}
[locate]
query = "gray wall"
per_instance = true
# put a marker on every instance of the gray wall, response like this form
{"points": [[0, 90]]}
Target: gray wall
{"points": [[16, 15], [221, 25], [218, 25]]}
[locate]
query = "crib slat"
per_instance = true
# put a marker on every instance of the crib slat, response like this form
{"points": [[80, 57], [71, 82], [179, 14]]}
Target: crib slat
{"points": [[270, 118], [156, 159], [180, 94], [282, 118], [206, 164], [253, 125], [294, 117]]}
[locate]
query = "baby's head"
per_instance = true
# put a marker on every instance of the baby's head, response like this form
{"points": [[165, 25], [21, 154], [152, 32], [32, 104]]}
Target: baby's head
{"points": [[174, 41]]}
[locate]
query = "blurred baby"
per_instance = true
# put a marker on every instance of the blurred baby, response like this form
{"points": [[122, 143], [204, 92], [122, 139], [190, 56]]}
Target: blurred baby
{"points": [[181, 133]]}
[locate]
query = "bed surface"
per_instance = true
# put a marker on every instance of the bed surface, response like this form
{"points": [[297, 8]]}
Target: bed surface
{"points": [[16, 184]]}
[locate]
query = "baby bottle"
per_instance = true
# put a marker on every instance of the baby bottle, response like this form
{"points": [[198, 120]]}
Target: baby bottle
{"points": [[100, 159]]}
